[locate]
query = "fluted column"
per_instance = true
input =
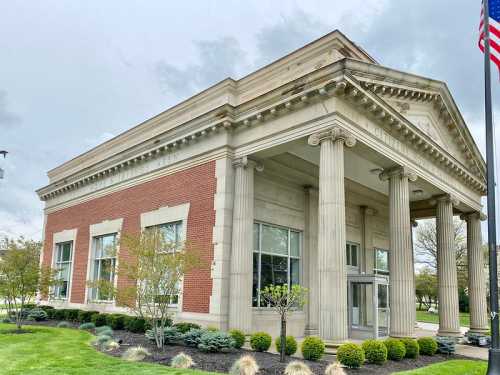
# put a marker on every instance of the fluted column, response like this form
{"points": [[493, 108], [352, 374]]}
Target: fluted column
{"points": [[449, 323], [332, 233], [402, 286], [477, 281], [240, 289]]}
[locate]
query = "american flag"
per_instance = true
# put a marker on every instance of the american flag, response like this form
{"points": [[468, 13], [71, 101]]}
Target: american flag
{"points": [[494, 23]]}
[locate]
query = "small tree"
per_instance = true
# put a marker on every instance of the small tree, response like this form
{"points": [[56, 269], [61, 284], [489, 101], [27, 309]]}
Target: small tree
{"points": [[156, 268], [21, 276], [426, 287], [284, 299]]}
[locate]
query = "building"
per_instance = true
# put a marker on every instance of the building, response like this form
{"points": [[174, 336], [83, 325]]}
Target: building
{"points": [[309, 170]]}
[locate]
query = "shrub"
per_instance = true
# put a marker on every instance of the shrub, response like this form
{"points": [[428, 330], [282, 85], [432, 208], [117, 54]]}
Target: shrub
{"points": [[290, 345], [238, 337], [396, 350], [182, 360], [135, 354], [260, 341], [375, 351], [49, 310], [427, 345], [245, 365], [37, 315], [71, 314], [116, 321], [297, 368], [184, 327], [335, 369], [63, 325], [86, 326], [135, 324], [215, 341], [98, 319], [6, 320], [212, 328], [312, 348], [101, 340], [59, 314], [104, 330], [351, 355], [192, 337], [170, 335], [85, 316], [411, 347]]}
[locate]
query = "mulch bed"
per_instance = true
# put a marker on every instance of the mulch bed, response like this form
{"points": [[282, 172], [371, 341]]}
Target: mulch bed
{"points": [[269, 363]]}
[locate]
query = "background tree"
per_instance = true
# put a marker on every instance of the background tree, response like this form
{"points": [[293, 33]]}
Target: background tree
{"points": [[21, 276], [426, 288], [283, 299], [155, 268]]}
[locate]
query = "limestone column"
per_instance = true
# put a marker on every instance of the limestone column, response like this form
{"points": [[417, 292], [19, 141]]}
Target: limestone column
{"points": [[449, 323], [332, 233], [241, 271], [477, 282], [311, 260], [402, 286]]}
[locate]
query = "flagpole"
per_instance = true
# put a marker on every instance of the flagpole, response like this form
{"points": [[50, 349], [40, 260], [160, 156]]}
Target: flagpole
{"points": [[494, 352]]}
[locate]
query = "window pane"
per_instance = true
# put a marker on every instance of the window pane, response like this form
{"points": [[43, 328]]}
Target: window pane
{"points": [[294, 244], [255, 285], [294, 272], [274, 270], [256, 237], [382, 260], [274, 240], [348, 254], [382, 296], [169, 233], [108, 246], [354, 255], [66, 252]]}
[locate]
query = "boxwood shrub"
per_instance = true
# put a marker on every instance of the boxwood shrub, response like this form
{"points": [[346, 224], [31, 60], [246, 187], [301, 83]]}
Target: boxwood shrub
{"points": [[238, 337], [98, 319], [312, 348], [184, 327], [290, 345], [116, 321], [260, 341], [351, 355], [396, 350], [427, 345], [375, 351], [85, 316], [135, 324], [71, 315], [59, 314], [411, 346]]}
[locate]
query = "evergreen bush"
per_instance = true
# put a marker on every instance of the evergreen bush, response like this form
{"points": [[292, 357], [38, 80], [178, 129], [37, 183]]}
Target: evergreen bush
{"points": [[260, 341], [290, 346], [375, 351], [312, 348], [351, 355], [396, 350]]}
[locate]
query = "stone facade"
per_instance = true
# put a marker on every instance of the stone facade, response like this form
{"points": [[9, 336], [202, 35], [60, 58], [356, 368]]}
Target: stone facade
{"points": [[307, 171]]}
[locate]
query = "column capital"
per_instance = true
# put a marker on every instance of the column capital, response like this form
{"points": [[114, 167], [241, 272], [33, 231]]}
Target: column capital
{"points": [[398, 171], [334, 134], [478, 215], [448, 198], [245, 162]]}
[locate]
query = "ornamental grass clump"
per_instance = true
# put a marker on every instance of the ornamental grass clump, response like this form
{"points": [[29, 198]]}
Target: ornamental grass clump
{"points": [[182, 360], [87, 326], [135, 354], [411, 346], [245, 365], [396, 350], [427, 345], [351, 355], [290, 345], [297, 368], [238, 337], [260, 341], [110, 345], [312, 348], [334, 368], [375, 351]]}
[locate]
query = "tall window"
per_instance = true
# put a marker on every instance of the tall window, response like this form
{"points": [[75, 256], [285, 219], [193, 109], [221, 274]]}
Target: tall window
{"points": [[352, 254], [62, 264], [276, 258], [103, 263], [172, 233], [381, 262]]}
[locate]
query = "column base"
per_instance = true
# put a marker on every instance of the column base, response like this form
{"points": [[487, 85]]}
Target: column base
{"points": [[450, 333], [480, 331], [403, 336], [311, 331]]}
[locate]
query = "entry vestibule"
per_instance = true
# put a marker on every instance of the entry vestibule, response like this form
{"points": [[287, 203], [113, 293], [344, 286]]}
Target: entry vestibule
{"points": [[368, 306]]}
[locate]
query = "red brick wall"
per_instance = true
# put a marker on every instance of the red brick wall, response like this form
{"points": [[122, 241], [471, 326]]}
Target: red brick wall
{"points": [[196, 185]]}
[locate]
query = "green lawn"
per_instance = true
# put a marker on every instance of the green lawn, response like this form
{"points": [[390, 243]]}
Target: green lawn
{"points": [[455, 367], [424, 316], [58, 351]]}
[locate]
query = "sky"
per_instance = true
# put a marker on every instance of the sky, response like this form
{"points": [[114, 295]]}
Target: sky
{"points": [[76, 73]]}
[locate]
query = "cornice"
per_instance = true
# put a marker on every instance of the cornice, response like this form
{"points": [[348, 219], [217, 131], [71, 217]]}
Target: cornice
{"points": [[338, 82]]}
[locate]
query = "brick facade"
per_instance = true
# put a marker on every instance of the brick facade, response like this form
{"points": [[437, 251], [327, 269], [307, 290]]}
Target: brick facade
{"points": [[196, 186]]}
